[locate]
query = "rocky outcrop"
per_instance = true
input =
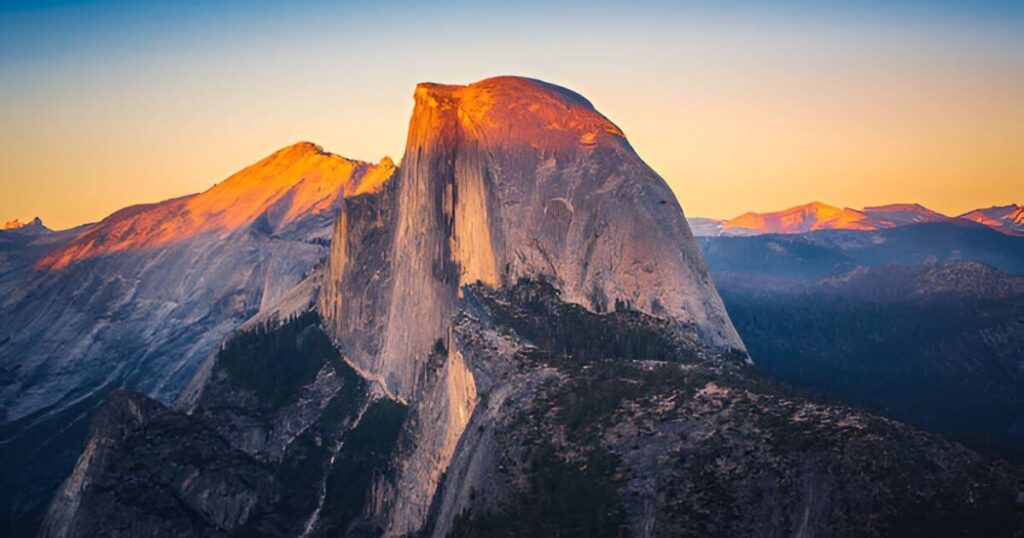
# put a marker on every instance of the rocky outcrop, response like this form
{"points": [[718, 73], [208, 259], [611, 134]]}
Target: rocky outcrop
{"points": [[158, 490], [503, 179], [510, 178]]}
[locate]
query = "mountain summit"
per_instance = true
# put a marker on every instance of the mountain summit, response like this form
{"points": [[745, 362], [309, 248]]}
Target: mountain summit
{"points": [[298, 180], [804, 218], [903, 214], [505, 179], [511, 112], [818, 216], [35, 224], [1008, 219]]}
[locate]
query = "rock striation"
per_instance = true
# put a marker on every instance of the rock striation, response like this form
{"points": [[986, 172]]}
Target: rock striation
{"points": [[504, 179], [513, 178]]}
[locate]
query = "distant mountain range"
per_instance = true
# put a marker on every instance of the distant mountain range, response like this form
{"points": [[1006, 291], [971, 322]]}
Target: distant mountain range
{"points": [[1008, 219], [923, 323]]}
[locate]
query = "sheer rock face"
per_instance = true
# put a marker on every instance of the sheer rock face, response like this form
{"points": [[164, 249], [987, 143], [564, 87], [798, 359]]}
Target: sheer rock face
{"points": [[503, 179], [509, 178], [447, 398], [356, 279]]}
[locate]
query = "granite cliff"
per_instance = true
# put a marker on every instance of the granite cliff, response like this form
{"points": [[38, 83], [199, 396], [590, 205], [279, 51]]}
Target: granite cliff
{"points": [[513, 178], [517, 335]]}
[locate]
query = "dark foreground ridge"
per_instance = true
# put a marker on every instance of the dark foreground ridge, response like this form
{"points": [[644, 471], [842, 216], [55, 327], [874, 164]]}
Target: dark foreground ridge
{"points": [[636, 431]]}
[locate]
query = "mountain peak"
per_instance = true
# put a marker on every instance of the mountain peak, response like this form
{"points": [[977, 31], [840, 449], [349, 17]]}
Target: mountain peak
{"points": [[1008, 219], [899, 207], [798, 219], [512, 111], [503, 180], [291, 183], [890, 215], [301, 148], [819, 206], [15, 224]]}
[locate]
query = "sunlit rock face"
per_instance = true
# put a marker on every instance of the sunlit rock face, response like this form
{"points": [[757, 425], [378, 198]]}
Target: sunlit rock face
{"points": [[805, 218], [503, 179], [1008, 219], [819, 216], [225, 253], [140, 299], [512, 177], [293, 183]]}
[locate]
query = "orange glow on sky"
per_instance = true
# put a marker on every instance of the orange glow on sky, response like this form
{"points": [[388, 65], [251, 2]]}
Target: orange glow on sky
{"points": [[298, 180], [738, 113]]}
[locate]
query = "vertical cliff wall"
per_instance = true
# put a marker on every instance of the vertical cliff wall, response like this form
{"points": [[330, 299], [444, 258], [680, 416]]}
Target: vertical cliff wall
{"points": [[503, 179], [355, 294], [509, 178]]}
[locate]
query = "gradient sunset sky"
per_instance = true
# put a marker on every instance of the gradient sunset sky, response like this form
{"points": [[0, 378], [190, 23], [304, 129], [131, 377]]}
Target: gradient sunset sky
{"points": [[108, 104]]}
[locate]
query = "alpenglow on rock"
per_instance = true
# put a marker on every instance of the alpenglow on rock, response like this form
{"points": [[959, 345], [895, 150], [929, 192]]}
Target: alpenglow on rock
{"points": [[504, 179], [141, 298]]}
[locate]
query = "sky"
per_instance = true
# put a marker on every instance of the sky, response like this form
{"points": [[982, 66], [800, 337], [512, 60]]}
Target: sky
{"points": [[105, 104]]}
